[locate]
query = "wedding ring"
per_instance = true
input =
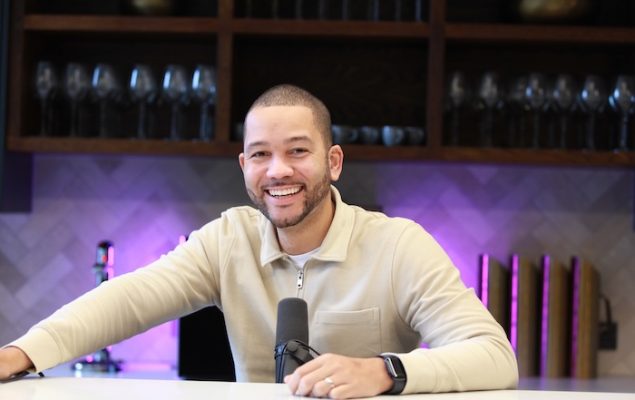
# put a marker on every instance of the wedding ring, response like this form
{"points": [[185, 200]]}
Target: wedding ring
{"points": [[329, 381]]}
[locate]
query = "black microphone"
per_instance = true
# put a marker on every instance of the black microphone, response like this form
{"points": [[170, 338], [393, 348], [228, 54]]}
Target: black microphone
{"points": [[292, 337]]}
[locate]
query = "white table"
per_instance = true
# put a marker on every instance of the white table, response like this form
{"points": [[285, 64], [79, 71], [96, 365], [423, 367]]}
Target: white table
{"points": [[67, 388]]}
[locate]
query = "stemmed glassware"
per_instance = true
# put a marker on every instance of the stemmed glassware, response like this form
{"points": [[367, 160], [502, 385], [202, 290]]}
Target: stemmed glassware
{"points": [[76, 87], [536, 99], [622, 100], [175, 91], [592, 99], [143, 90], [105, 88], [204, 91], [458, 96], [46, 84], [490, 98], [517, 110], [563, 101]]}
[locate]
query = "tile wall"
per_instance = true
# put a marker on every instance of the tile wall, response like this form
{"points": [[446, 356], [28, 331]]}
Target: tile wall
{"points": [[143, 204]]}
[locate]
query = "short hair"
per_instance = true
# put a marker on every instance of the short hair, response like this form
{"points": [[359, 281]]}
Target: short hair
{"points": [[291, 95]]}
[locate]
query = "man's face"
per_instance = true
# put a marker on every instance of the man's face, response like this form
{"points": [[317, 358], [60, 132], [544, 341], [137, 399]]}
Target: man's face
{"points": [[286, 167]]}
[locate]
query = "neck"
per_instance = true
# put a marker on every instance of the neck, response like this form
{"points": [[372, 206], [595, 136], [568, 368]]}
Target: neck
{"points": [[308, 234]]}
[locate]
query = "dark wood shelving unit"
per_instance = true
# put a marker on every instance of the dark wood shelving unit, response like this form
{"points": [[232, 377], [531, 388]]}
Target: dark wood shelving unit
{"points": [[433, 37]]}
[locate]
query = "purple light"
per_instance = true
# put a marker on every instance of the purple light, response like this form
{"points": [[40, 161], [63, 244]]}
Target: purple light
{"points": [[577, 272], [513, 331], [544, 320], [111, 256], [485, 279]]}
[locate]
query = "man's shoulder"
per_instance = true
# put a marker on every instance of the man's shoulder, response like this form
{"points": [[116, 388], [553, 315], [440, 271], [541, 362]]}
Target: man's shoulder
{"points": [[369, 219]]}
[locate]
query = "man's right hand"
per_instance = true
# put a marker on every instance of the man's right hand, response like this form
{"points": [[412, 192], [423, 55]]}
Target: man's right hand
{"points": [[12, 361]]}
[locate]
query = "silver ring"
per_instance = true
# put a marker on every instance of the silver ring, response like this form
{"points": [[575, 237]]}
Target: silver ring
{"points": [[329, 381]]}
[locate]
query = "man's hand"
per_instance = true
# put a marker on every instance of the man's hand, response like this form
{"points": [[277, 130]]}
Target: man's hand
{"points": [[340, 377], [12, 361]]}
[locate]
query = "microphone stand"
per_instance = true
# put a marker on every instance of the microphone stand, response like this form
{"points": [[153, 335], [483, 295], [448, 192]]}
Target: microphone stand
{"points": [[101, 361], [289, 356]]}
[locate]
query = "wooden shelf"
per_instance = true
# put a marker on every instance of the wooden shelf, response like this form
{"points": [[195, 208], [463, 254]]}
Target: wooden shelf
{"points": [[123, 146], [119, 24], [356, 29], [507, 33], [351, 152], [372, 54]]}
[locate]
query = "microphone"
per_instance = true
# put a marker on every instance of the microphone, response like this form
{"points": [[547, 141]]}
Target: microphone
{"points": [[292, 337]]}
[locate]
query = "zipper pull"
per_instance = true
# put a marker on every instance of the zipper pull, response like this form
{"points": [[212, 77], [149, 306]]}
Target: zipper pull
{"points": [[300, 279]]}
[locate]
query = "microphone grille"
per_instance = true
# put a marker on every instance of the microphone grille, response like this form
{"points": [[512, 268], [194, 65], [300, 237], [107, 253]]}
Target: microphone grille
{"points": [[293, 321]]}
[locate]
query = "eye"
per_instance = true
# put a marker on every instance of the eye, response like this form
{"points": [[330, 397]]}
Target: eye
{"points": [[258, 154], [298, 151]]}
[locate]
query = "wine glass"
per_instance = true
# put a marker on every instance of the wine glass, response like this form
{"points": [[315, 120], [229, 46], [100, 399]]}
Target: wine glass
{"points": [[204, 91], [517, 110], [622, 100], [563, 101], [46, 85], [76, 87], [592, 99], [143, 90], [175, 91], [490, 99], [105, 88], [536, 98], [458, 96]]}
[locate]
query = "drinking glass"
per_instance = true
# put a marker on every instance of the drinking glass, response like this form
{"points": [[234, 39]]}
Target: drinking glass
{"points": [[106, 88], [46, 85], [536, 99], [592, 99], [622, 100], [563, 102], [517, 111], [490, 99], [175, 91], [143, 90], [458, 96], [76, 87], [204, 91]]}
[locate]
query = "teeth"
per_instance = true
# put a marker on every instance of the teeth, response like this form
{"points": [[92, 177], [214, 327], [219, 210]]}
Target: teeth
{"points": [[284, 192]]}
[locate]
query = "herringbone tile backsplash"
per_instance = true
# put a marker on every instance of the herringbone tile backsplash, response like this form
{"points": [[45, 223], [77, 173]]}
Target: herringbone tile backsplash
{"points": [[143, 204]]}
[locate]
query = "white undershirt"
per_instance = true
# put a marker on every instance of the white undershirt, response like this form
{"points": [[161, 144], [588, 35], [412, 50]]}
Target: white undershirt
{"points": [[301, 259]]}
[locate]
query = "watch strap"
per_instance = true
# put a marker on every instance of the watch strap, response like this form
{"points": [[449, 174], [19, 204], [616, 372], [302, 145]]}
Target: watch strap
{"points": [[397, 373]]}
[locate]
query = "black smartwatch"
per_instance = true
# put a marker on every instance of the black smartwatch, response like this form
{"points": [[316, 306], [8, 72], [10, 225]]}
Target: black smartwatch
{"points": [[396, 372]]}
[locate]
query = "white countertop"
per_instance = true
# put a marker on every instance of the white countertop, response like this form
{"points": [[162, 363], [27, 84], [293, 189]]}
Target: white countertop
{"points": [[71, 388], [160, 381]]}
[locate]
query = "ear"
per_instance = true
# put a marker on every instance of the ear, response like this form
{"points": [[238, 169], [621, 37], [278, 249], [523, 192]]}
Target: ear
{"points": [[336, 160], [241, 161]]}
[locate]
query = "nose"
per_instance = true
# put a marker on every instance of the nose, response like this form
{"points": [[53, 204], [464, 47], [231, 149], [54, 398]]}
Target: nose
{"points": [[279, 168]]}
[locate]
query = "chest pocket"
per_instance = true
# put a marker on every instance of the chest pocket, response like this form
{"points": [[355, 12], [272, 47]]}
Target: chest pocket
{"points": [[349, 333]]}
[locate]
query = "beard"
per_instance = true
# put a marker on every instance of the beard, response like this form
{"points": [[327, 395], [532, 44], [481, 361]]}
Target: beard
{"points": [[312, 198]]}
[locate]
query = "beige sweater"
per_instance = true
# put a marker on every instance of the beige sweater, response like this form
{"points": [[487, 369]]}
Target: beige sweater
{"points": [[377, 284]]}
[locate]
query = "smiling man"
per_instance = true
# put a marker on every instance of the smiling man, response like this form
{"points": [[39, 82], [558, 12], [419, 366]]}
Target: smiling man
{"points": [[376, 287]]}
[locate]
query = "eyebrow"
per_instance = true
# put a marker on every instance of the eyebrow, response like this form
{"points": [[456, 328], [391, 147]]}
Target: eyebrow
{"points": [[293, 139]]}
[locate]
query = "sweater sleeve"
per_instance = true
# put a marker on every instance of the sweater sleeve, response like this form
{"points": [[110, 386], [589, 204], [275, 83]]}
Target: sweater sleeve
{"points": [[468, 349], [178, 283]]}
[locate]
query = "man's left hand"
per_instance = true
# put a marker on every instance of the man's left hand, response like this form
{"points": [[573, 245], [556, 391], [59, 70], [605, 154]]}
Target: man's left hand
{"points": [[340, 377]]}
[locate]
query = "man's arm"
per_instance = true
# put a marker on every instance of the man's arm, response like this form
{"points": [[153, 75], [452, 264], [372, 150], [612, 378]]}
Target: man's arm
{"points": [[12, 361]]}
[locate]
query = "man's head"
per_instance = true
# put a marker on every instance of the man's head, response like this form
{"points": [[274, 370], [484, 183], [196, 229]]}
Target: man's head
{"points": [[288, 160], [290, 95]]}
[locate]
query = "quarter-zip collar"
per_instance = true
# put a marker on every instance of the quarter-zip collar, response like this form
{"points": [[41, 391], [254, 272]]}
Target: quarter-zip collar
{"points": [[334, 246]]}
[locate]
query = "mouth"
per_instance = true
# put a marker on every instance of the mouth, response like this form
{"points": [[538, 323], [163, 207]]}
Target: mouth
{"points": [[280, 192]]}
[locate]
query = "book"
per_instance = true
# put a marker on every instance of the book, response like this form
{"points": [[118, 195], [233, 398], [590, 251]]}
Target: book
{"points": [[584, 319], [494, 289], [524, 317], [554, 319]]}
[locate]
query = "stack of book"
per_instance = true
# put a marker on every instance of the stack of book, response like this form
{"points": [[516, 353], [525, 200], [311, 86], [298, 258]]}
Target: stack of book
{"points": [[549, 311]]}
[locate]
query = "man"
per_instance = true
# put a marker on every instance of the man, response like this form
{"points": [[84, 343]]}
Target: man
{"points": [[374, 285]]}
